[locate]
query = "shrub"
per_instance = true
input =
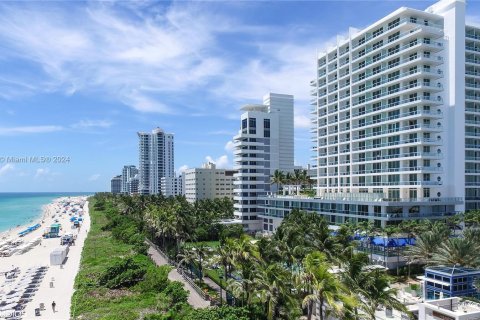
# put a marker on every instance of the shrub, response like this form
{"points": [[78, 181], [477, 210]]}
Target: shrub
{"points": [[155, 280], [220, 313], [175, 291], [125, 272]]}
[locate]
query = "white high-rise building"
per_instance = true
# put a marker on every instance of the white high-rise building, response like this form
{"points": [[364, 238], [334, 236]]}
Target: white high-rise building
{"points": [[128, 173], [263, 145], [172, 186], [396, 121], [208, 182], [156, 160]]}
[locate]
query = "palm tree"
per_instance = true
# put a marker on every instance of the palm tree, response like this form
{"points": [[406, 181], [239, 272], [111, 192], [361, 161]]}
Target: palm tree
{"points": [[323, 288], [457, 251], [377, 292], [224, 256], [245, 257], [366, 227], [471, 218], [354, 276], [278, 178], [389, 232], [288, 178], [201, 252], [271, 287], [187, 258]]}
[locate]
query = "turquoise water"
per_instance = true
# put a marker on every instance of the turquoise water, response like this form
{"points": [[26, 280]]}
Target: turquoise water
{"points": [[23, 208]]}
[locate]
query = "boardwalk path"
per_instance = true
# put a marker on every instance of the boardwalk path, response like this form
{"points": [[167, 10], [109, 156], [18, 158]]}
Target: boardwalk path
{"points": [[194, 298]]}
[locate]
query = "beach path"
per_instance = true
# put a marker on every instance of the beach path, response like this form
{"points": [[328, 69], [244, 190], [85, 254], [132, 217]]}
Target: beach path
{"points": [[194, 299], [62, 278]]}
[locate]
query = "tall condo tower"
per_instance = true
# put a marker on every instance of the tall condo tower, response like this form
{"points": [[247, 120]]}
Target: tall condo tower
{"points": [[263, 145], [396, 121], [156, 160]]}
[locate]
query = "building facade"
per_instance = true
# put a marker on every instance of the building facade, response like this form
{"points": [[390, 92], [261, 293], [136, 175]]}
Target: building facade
{"points": [[128, 172], [116, 184], [132, 185], [263, 145], [172, 186], [156, 160], [396, 121], [208, 182]]}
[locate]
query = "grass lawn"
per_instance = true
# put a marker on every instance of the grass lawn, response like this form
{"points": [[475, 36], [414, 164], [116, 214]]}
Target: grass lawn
{"points": [[217, 276], [92, 301]]}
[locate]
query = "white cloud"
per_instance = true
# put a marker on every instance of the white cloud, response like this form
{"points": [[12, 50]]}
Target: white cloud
{"points": [[99, 48], [5, 169], [302, 121], [94, 177], [41, 172], [83, 124], [8, 131], [472, 20], [223, 132], [142, 61], [182, 169], [220, 162], [229, 146]]}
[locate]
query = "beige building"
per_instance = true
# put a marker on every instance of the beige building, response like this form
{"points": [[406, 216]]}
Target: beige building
{"points": [[208, 182]]}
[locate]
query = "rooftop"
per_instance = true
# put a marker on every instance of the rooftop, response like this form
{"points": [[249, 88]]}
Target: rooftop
{"points": [[454, 306], [452, 270]]}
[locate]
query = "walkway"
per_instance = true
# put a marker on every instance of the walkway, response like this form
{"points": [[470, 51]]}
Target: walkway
{"points": [[194, 299]]}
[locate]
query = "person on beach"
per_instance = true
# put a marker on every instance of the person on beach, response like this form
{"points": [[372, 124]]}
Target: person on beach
{"points": [[53, 306]]}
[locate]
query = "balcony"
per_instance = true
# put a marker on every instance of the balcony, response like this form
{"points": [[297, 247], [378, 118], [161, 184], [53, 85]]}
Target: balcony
{"points": [[398, 143], [398, 103], [403, 21], [399, 155], [396, 170], [400, 116], [414, 43], [402, 89], [472, 97], [397, 183]]}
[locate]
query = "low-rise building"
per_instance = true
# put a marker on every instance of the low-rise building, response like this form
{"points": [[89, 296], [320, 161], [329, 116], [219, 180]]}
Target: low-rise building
{"points": [[452, 281], [116, 184], [208, 182], [172, 186], [449, 309]]}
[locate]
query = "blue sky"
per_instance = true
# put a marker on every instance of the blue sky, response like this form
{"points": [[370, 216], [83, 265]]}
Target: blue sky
{"points": [[79, 79]]}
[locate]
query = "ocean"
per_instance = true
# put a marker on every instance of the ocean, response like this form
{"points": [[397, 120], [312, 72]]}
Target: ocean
{"points": [[22, 208]]}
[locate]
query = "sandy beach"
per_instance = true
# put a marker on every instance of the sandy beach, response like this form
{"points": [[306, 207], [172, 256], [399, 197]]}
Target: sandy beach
{"points": [[34, 280]]}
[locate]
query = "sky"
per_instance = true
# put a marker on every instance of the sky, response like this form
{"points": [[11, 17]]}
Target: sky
{"points": [[79, 79]]}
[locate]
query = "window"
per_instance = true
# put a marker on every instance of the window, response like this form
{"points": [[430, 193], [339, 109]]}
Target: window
{"points": [[393, 50], [244, 124], [412, 193], [426, 192], [393, 23], [394, 36], [377, 32], [252, 122], [266, 123], [377, 44]]}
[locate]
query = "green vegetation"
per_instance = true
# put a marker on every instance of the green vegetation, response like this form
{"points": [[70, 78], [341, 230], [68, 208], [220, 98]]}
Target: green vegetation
{"points": [[298, 177], [115, 280], [279, 277]]}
